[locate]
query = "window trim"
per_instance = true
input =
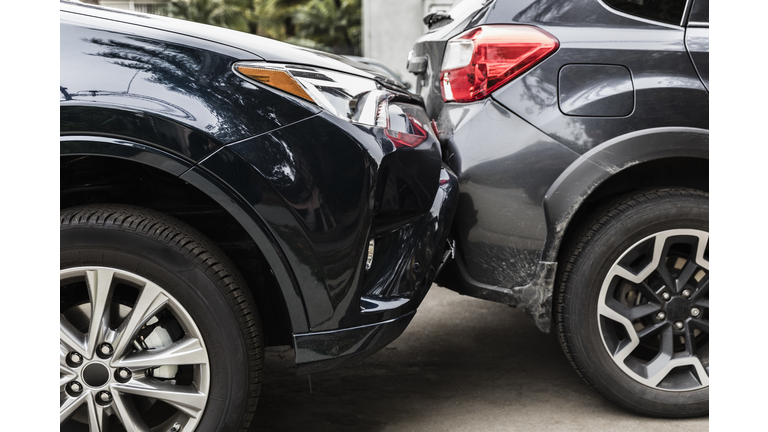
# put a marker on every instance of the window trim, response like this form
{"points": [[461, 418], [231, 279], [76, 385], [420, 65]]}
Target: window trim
{"points": [[686, 10]]}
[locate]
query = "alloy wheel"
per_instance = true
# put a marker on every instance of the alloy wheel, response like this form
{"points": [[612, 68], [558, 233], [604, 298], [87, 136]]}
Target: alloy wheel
{"points": [[130, 354], [653, 310]]}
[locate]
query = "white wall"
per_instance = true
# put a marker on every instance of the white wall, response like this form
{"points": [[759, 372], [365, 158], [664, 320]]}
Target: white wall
{"points": [[391, 26]]}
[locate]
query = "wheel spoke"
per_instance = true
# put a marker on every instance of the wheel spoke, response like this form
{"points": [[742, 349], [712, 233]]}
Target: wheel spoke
{"points": [[97, 417], [685, 275], [701, 371], [651, 330], [669, 282], [703, 243], [702, 290], [689, 342], [70, 337], [700, 324], [703, 303], [632, 313], [63, 352], [126, 412], [70, 405], [186, 351], [648, 292], [185, 398], [658, 368], [99, 284], [150, 302], [67, 375]]}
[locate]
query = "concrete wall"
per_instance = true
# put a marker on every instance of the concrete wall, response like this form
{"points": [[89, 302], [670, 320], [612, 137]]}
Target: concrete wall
{"points": [[391, 26]]}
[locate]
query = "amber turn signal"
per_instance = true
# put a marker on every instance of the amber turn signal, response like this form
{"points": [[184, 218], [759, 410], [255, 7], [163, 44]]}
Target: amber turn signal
{"points": [[275, 78]]}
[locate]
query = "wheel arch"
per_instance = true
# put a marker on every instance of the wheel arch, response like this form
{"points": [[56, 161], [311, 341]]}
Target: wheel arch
{"points": [[669, 156], [198, 198]]}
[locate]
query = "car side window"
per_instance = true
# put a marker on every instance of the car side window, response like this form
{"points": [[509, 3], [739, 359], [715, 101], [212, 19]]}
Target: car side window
{"points": [[666, 11], [699, 12]]}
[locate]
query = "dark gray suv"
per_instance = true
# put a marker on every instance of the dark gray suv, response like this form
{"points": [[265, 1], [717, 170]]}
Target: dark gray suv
{"points": [[579, 131]]}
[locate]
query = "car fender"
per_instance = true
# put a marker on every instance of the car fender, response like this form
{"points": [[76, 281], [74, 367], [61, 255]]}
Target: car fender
{"points": [[590, 170], [200, 178]]}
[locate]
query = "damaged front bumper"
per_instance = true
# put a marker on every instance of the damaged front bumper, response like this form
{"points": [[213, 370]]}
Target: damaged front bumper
{"points": [[407, 260]]}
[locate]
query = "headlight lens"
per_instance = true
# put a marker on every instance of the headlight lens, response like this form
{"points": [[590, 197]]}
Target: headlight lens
{"points": [[349, 97], [346, 96]]}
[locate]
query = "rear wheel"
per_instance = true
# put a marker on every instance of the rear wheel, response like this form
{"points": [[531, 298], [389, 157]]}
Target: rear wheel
{"points": [[156, 330], [633, 303]]}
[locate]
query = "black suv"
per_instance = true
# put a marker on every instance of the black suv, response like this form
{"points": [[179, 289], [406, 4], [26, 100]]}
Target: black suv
{"points": [[222, 192], [579, 133]]}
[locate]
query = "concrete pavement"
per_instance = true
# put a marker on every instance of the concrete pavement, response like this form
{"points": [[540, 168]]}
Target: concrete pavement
{"points": [[462, 365]]}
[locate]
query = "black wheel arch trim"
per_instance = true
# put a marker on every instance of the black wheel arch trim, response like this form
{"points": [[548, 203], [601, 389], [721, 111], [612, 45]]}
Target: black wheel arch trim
{"points": [[590, 170], [207, 183]]}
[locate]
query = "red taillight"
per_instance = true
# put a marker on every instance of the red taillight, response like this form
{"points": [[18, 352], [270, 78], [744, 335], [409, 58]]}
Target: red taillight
{"points": [[485, 58], [404, 139]]}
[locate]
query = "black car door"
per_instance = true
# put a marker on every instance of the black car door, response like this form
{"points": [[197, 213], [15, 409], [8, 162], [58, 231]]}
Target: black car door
{"points": [[697, 38]]}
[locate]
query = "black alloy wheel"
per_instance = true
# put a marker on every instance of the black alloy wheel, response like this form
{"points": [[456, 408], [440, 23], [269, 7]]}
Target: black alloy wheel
{"points": [[633, 303], [157, 332]]}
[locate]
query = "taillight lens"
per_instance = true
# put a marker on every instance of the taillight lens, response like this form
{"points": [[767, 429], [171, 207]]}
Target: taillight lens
{"points": [[480, 60], [416, 135]]}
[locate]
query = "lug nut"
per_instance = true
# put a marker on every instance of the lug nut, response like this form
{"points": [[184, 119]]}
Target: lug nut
{"points": [[75, 358], [105, 350], [665, 295], [175, 428], [679, 325], [75, 387], [686, 293], [104, 396], [124, 373], [695, 312], [661, 315]]}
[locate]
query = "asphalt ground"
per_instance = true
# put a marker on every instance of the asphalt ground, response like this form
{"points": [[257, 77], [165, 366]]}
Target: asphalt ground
{"points": [[463, 364]]}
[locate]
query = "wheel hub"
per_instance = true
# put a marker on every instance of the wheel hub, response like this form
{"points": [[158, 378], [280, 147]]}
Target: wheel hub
{"points": [[676, 309], [96, 375]]}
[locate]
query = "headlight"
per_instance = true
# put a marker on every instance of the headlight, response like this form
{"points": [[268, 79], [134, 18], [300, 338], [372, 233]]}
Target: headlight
{"points": [[349, 97]]}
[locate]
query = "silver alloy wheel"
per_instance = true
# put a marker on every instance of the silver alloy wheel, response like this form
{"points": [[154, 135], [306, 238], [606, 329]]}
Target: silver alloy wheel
{"points": [[653, 312], [118, 357]]}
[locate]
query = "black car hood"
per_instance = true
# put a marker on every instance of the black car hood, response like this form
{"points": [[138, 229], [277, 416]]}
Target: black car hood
{"points": [[253, 47]]}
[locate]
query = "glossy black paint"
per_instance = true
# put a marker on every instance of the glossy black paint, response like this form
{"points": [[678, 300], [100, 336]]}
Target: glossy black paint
{"points": [[699, 12], [308, 188], [618, 88], [162, 91], [321, 350]]}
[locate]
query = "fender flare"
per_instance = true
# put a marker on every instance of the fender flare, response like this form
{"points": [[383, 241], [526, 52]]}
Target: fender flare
{"points": [[594, 167], [199, 178]]}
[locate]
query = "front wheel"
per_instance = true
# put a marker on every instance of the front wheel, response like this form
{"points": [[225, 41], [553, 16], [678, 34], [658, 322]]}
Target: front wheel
{"points": [[633, 303], [156, 330]]}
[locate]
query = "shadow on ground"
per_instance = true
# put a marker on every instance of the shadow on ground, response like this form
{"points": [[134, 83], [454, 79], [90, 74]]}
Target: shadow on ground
{"points": [[462, 365]]}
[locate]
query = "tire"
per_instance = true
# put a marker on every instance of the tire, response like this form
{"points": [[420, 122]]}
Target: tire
{"points": [[157, 330], [633, 303]]}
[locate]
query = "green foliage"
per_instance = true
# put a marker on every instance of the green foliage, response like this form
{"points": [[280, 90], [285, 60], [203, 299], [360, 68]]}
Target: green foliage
{"points": [[330, 25], [222, 13]]}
